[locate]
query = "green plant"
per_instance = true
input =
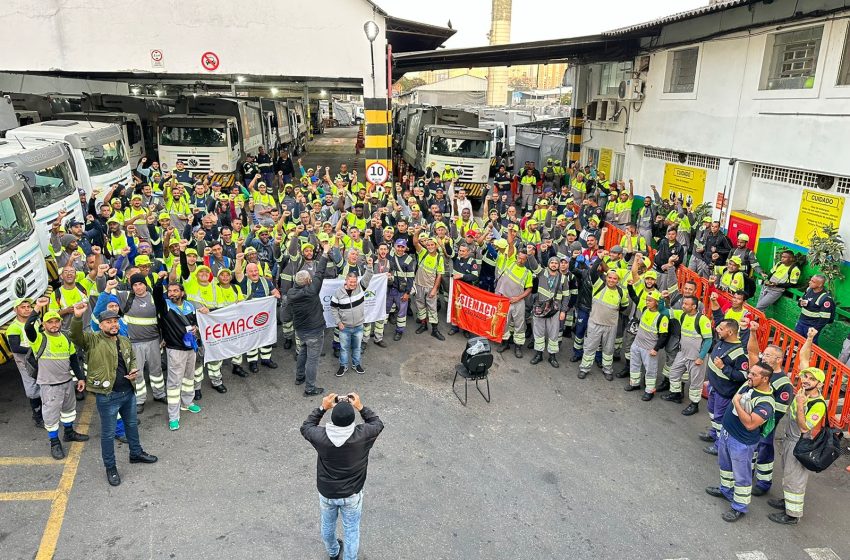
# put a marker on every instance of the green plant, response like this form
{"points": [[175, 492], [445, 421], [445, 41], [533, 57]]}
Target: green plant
{"points": [[701, 211], [826, 252]]}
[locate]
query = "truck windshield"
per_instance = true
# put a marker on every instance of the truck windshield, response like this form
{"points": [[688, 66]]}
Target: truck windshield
{"points": [[50, 185], [105, 158], [455, 147], [193, 136], [15, 222]]}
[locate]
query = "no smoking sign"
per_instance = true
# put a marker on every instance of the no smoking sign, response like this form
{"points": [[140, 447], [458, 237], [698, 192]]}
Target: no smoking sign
{"points": [[377, 173]]}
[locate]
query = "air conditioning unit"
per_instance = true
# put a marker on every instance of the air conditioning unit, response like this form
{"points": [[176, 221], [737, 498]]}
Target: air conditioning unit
{"points": [[631, 90]]}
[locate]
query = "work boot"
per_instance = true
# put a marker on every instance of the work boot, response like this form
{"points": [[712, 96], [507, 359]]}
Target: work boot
{"points": [[782, 518], [338, 554], [287, 344], [238, 371], [581, 374], [72, 435], [423, 326], [269, 363], [518, 350], [435, 332], [553, 361], [162, 399], [706, 436], [575, 358], [454, 330], [691, 409], [732, 515], [710, 449], [776, 503], [504, 347], [36, 412], [314, 391], [198, 395], [758, 491], [629, 388], [623, 373], [220, 388], [715, 491], [608, 376], [530, 344], [112, 476], [255, 367], [664, 385], [674, 397], [647, 396], [144, 457], [56, 450], [397, 336], [538, 357], [380, 343]]}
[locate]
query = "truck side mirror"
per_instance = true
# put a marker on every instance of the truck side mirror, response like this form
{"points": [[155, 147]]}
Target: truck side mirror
{"points": [[28, 196]]}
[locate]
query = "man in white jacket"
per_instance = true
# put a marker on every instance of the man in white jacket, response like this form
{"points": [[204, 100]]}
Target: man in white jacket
{"points": [[348, 310]]}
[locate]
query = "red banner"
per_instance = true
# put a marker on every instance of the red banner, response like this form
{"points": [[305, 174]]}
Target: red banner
{"points": [[478, 311]]}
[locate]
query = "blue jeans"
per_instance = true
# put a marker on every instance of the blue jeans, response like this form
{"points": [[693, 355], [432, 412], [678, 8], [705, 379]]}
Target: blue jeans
{"points": [[351, 508], [108, 406], [350, 339], [802, 329]]}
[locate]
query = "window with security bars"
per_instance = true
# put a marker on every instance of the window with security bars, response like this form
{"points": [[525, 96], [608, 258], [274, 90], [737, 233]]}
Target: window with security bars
{"points": [[786, 175], [610, 76], [843, 185], [844, 71], [681, 70], [793, 59]]}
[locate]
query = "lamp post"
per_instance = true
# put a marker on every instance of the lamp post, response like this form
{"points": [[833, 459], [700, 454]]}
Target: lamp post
{"points": [[371, 30]]}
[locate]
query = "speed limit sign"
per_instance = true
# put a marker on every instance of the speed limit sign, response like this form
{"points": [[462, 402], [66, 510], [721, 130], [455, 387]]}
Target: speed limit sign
{"points": [[377, 173]]}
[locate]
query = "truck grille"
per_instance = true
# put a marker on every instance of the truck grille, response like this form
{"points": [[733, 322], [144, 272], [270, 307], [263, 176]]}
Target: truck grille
{"points": [[195, 162], [464, 172], [31, 276]]}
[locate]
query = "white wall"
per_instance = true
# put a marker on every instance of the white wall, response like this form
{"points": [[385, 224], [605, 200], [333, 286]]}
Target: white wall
{"points": [[28, 83], [318, 38], [728, 116]]}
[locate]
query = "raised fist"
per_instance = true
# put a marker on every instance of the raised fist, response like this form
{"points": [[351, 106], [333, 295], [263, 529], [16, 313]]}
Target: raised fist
{"points": [[80, 308]]}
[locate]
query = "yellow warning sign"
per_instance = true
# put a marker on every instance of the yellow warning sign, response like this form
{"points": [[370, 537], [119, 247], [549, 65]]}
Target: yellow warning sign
{"points": [[605, 156], [817, 210], [687, 183]]}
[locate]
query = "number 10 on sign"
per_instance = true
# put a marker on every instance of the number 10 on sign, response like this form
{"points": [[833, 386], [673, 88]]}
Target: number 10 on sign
{"points": [[377, 173]]}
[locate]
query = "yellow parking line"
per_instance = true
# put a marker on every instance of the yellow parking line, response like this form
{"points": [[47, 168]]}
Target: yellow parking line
{"points": [[50, 538], [28, 461], [27, 496]]}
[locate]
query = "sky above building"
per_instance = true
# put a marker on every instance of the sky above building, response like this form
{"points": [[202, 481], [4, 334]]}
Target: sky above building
{"points": [[534, 20]]}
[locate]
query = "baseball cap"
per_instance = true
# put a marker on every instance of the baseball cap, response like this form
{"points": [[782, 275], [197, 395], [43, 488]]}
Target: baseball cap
{"points": [[191, 251], [816, 373], [617, 249], [50, 315], [142, 260], [736, 260], [651, 274], [501, 243], [743, 237], [654, 294], [401, 243], [23, 300]]}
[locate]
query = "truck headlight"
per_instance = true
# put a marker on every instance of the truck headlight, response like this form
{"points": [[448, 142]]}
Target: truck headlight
{"points": [[225, 167]]}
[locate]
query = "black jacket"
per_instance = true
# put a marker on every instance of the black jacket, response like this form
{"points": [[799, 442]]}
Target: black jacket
{"points": [[308, 314], [341, 471]]}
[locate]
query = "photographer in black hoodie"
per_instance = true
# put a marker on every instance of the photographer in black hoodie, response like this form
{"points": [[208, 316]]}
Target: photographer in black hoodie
{"points": [[343, 449]]}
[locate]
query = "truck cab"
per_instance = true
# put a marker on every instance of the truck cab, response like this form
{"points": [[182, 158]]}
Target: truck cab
{"points": [[45, 168], [203, 143], [129, 123], [97, 151], [22, 271], [466, 150]]}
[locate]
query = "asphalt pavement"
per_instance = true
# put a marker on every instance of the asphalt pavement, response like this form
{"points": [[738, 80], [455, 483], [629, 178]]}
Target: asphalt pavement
{"points": [[553, 467]]}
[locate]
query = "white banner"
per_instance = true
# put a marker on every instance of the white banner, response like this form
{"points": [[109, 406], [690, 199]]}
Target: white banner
{"points": [[376, 298], [236, 329]]}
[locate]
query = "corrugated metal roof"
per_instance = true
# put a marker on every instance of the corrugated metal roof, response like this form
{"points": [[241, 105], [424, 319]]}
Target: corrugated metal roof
{"points": [[680, 16]]}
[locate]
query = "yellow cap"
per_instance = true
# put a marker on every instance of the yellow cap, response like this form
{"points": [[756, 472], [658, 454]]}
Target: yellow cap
{"points": [[50, 315]]}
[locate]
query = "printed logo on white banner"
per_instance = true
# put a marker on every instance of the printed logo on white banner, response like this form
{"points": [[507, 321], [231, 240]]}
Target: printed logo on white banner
{"points": [[236, 329]]}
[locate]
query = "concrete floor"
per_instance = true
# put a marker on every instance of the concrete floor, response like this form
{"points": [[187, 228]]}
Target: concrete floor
{"points": [[553, 467]]}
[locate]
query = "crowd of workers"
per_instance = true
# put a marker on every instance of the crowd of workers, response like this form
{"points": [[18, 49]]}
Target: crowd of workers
{"points": [[148, 259]]}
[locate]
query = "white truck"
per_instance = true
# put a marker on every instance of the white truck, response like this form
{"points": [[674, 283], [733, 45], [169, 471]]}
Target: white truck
{"points": [[281, 127], [298, 123], [435, 137], [45, 167], [210, 134], [502, 123], [147, 109], [22, 270], [97, 151], [129, 123]]}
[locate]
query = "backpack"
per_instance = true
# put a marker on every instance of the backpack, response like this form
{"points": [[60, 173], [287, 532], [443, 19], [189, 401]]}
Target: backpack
{"points": [[818, 453], [749, 286], [31, 358]]}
